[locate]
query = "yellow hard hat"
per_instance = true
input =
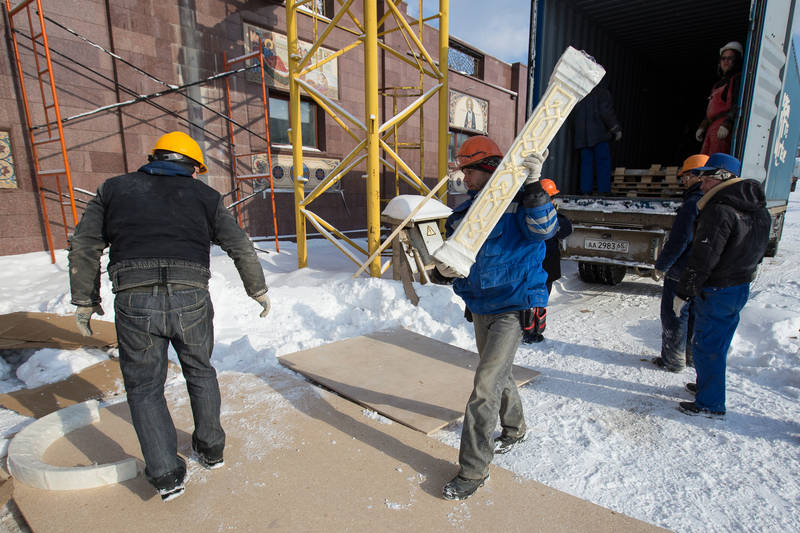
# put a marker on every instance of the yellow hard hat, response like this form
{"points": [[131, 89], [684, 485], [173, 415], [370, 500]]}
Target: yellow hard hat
{"points": [[179, 143]]}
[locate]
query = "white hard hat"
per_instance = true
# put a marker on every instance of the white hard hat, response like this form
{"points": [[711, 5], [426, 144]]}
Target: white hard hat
{"points": [[733, 45]]}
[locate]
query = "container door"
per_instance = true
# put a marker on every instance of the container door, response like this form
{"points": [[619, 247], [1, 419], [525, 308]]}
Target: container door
{"points": [[766, 57]]}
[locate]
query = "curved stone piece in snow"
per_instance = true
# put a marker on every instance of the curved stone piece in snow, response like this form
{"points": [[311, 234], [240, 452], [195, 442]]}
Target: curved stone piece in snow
{"points": [[574, 76], [403, 205], [28, 447]]}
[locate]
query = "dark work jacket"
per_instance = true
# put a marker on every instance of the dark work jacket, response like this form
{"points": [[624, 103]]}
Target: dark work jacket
{"points": [[160, 223], [675, 254], [594, 119], [730, 237], [552, 257]]}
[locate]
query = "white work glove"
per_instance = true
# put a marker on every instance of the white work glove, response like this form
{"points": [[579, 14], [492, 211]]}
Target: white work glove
{"points": [[677, 305], [265, 303], [699, 134], [83, 318], [447, 271], [533, 163], [722, 132], [617, 135], [657, 274]]}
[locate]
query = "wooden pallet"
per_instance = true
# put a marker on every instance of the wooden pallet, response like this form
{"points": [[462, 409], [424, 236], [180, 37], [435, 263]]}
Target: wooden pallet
{"points": [[654, 181]]}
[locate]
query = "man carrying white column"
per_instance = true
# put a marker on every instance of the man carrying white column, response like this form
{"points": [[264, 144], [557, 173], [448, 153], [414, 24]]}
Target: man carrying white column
{"points": [[504, 284]]}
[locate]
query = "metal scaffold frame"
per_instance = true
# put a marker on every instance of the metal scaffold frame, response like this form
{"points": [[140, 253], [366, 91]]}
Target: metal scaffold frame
{"points": [[57, 122], [54, 128], [371, 136]]}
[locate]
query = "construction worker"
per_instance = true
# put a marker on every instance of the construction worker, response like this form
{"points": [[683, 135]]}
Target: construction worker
{"points": [[504, 283], [551, 264], [160, 222], [677, 330], [715, 129], [730, 239]]}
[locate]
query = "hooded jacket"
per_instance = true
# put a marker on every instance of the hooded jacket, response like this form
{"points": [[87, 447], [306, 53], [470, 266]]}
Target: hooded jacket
{"points": [[160, 223], [730, 238], [507, 274]]}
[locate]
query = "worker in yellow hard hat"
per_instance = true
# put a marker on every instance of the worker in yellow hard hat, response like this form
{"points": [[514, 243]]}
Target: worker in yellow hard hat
{"points": [[159, 223]]}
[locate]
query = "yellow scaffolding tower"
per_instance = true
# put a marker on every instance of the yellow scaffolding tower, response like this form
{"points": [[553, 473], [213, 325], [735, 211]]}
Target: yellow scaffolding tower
{"points": [[371, 136]]}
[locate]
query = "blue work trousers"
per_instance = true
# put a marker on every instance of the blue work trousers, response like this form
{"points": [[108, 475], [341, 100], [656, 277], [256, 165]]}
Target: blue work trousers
{"points": [[716, 315], [596, 160], [676, 331], [147, 322], [494, 394]]}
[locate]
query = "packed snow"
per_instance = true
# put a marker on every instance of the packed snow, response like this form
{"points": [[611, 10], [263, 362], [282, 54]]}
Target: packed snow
{"points": [[604, 421]]}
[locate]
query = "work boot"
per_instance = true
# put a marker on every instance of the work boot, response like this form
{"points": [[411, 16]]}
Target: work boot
{"points": [[659, 362], [209, 458], [172, 484], [692, 409], [505, 443], [460, 488]]}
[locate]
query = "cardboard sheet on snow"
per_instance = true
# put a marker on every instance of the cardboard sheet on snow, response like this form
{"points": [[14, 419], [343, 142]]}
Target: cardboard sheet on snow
{"points": [[47, 330], [299, 458], [97, 382], [412, 379]]}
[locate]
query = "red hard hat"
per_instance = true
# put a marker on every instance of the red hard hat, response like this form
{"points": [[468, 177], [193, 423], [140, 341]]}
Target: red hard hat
{"points": [[476, 149], [549, 186]]}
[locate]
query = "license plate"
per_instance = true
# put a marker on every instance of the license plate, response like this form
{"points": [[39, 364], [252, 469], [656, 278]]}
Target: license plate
{"points": [[606, 245]]}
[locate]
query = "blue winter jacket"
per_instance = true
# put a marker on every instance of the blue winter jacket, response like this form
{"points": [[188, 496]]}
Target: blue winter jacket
{"points": [[675, 254], [508, 274]]}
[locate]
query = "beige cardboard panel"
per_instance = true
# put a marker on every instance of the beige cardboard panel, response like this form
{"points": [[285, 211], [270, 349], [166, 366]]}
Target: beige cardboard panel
{"points": [[97, 382], [410, 378], [299, 459], [54, 331]]}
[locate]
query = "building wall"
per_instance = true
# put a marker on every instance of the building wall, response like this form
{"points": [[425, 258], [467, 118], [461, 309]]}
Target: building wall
{"points": [[184, 41]]}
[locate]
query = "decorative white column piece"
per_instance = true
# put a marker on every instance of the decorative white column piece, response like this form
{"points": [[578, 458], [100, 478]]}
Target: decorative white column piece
{"points": [[574, 76], [29, 445]]}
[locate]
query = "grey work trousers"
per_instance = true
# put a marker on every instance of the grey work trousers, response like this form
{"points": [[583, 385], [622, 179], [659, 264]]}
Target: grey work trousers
{"points": [[494, 393]]}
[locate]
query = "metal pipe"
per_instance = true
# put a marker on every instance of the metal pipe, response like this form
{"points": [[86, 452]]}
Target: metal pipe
{"points": [[295, 132], [373, 132]]}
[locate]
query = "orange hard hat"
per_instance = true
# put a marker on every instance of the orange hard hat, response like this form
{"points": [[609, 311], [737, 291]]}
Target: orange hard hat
{"points": [[476, 149], [549, 186], [692, 162]]}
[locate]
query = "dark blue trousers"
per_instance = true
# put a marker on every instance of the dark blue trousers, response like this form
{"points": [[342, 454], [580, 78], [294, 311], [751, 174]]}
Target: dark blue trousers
{"points": [[676, 331], [596, 160], [716, 315]]}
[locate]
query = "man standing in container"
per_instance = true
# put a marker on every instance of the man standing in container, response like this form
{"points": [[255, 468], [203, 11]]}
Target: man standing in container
{"points": [[160, 223], [505, 282]]}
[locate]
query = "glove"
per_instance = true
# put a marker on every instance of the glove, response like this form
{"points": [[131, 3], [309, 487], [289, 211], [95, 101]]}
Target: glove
{"points": [[533, 163], [265, 303], [617, 135], [657, 274], [447, 271], [722, 132], [677, 305], [699, 134], [83, 317]]}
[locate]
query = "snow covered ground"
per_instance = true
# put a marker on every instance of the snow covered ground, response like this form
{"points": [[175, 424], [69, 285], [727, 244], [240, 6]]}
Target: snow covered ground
{"points": [[604, 421]]}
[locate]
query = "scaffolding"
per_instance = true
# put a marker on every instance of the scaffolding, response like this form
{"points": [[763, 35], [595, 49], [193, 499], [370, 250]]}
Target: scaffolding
{"points": [[51, 130], [370, 136]]}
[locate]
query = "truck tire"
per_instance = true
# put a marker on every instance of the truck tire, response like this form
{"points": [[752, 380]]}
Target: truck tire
{"points": [[587, 272], [611, 274]]}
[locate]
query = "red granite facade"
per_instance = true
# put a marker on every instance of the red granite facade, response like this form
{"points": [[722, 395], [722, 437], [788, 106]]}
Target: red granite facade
{"points": [[184, 41]]}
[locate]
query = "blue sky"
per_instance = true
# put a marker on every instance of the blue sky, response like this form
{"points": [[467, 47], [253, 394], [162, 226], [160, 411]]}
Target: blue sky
{"points": [[497, 27]]}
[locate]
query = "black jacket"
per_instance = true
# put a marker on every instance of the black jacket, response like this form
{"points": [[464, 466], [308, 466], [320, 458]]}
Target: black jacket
{"points": [[730, 238], [552, 257], [160, 223], [595, 119], [675, 254]]}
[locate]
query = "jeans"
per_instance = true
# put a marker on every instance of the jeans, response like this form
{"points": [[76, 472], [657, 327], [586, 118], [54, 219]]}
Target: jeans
{"points": [[716, 313], [596, 158], [676, 331], [147, 322], [494, 393]]}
